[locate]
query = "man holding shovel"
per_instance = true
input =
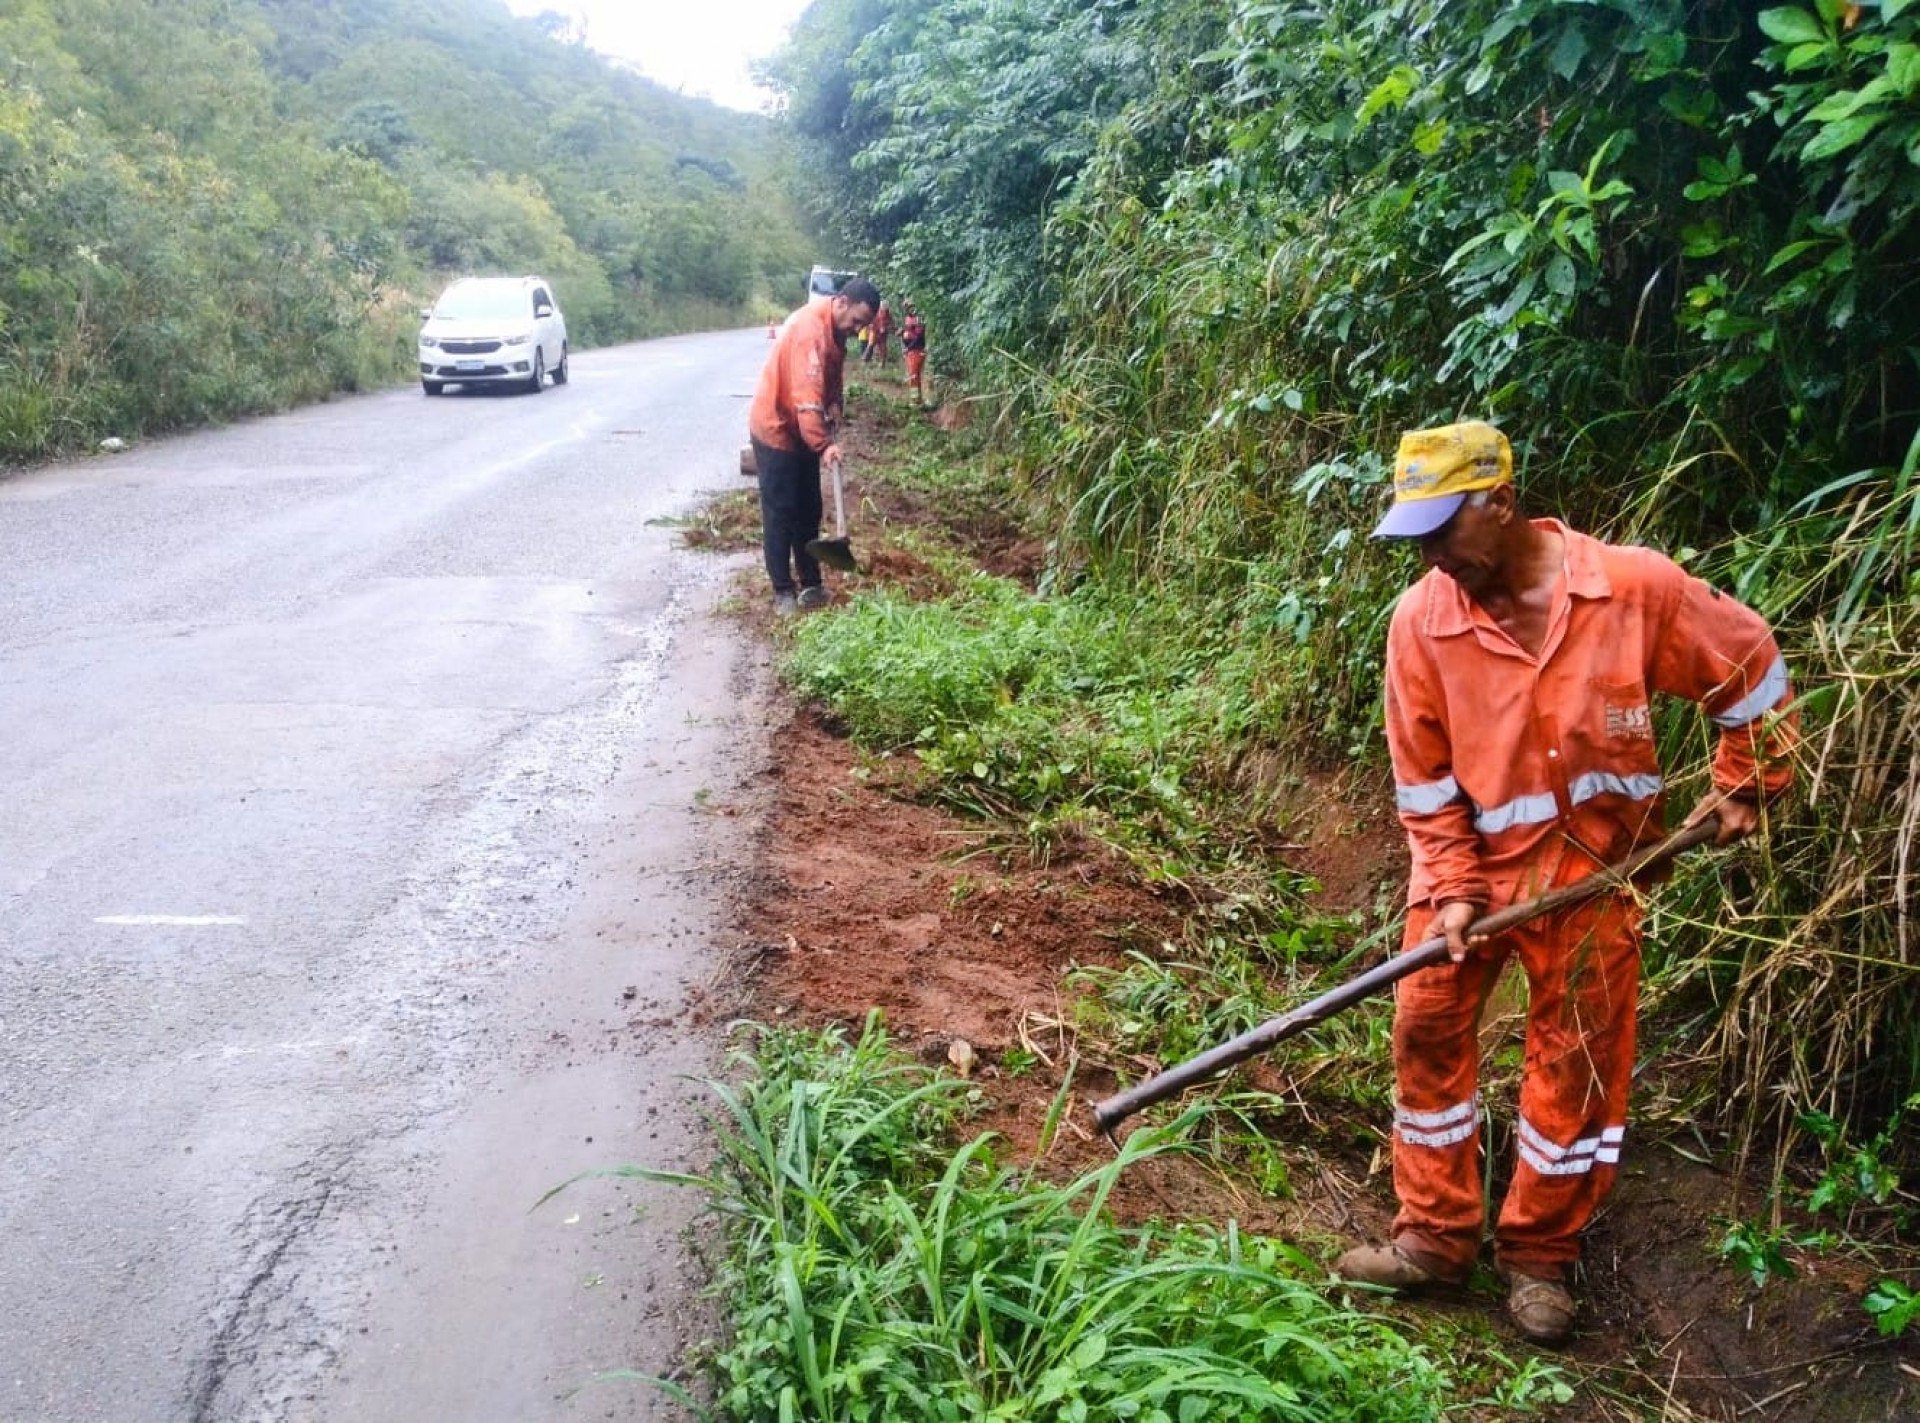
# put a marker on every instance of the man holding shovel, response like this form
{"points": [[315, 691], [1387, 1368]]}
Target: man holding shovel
{"points": [[792, 422], [1519, 675]]}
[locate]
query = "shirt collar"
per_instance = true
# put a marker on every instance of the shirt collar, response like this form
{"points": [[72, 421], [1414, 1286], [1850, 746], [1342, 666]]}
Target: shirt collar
{"points": [[1450, 612]]}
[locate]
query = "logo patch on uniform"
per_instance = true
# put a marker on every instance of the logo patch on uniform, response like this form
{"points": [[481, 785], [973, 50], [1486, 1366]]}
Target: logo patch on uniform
{"points": [[1626, 722]]}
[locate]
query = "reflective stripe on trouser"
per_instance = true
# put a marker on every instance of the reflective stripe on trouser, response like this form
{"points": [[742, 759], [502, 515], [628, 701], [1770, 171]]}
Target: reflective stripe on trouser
{"points": [[1582, 968]]}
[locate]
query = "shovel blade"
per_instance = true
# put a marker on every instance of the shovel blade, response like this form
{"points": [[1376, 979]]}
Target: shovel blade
{"points": [[835, 553]]}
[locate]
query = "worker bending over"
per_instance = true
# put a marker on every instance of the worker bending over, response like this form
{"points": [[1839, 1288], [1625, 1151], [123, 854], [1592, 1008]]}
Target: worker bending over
{"points": [[794, 424], [1519, 679]]}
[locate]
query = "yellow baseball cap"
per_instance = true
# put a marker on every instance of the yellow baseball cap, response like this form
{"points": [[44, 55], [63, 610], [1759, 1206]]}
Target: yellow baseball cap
{"points": [[1434, 472]]}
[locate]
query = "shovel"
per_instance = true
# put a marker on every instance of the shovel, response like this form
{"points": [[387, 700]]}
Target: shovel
{"points": [[836, 552], [1117, 1108]]}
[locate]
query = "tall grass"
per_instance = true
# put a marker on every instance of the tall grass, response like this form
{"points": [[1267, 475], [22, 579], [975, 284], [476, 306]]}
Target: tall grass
{"points": [[875, 1273]]}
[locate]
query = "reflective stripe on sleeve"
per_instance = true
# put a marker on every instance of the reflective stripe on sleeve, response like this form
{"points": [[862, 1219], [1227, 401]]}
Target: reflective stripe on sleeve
{"points": [[1758, 702], [1427, 798]]}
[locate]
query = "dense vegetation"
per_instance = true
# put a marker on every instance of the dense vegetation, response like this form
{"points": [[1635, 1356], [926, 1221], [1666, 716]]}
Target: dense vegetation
{"points": [[1217, 256], [209, 207], [909, 1281]]}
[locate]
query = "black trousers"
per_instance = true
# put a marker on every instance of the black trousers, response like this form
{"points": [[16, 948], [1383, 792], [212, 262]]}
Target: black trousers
{"points": [[789, 514]]}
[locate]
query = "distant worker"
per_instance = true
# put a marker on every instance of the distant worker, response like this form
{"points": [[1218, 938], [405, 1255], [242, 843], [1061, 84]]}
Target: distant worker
{"points": [[882, 326], [1520, 672], [794, 423], [913, 341]]}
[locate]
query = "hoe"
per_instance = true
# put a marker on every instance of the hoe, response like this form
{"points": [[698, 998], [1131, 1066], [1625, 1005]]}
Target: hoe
{"points": [[1117, 1108]]}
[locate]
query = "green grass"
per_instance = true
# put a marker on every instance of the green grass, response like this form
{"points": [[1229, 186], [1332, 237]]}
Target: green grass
{"points": [[1090, 713], [876, 1272]]}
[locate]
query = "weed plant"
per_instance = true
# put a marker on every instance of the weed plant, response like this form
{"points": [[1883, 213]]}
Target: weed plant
{"points": [[875, 1273], [1098, 711]]}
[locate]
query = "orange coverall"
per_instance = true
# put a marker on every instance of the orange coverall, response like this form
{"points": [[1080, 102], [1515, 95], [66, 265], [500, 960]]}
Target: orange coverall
{"points": [[1515, 774], [800, 384]]}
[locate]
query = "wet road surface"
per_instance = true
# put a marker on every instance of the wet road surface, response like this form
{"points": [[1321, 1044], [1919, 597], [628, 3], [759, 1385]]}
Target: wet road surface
{"points": [[376, 778]]}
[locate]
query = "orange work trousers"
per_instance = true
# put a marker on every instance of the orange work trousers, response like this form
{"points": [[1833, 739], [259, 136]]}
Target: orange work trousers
{"points": [[1583, 977]]}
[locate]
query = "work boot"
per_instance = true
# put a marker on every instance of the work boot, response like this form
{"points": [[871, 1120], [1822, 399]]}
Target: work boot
{"points": [[1542, 1309], [814, 596], [1385, 1265], [784, 605]]}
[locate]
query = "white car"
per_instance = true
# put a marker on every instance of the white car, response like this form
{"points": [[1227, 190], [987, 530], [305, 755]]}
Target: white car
{"points": [[824, 281], [488, 330]]}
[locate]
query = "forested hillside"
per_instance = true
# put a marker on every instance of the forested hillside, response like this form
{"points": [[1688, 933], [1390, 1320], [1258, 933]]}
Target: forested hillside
{"points": [[1215, 257], [209, 207]]}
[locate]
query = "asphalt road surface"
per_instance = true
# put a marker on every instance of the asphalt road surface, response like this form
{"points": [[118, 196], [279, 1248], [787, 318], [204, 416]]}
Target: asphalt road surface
{"points": [[376, 776]]}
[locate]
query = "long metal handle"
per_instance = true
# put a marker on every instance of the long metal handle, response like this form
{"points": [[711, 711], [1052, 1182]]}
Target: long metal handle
{"points": [[1117, 1108], [839, 504]]}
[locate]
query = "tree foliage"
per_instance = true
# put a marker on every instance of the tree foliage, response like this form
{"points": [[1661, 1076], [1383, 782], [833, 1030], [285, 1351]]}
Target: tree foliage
{"points": [[943, 134], [209, 207]]}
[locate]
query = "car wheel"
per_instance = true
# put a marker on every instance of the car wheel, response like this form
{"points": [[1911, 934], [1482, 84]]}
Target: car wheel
{"points": [[560, 371], [538, 380], [432, 387]]}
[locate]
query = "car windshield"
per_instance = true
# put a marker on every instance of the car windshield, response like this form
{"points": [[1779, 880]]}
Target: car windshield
{"points": [[484, 303]]}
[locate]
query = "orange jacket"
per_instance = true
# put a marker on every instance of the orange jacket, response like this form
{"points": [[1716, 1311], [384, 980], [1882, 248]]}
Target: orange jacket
{"points": [[800, 384], [1503, 763]]}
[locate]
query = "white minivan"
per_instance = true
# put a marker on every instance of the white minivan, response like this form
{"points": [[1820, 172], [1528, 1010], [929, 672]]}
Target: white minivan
{"points": [[486, 330]]}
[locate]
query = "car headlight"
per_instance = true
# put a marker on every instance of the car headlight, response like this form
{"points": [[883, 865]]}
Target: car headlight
{"points": [[519, 340], [431, 343]]}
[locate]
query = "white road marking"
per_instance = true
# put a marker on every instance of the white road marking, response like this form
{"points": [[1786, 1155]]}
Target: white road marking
{"points": [[170, 919]]}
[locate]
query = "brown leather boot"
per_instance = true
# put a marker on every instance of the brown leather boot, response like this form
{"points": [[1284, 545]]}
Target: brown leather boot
{"points": [[1542, 1309], [1385, 1265]]}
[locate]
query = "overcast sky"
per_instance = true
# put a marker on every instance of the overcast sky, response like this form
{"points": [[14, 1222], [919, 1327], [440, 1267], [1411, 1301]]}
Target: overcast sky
{"points": [[698, 46]]}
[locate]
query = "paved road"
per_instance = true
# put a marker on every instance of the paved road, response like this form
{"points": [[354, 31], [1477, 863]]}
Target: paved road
{"points": [[375, 776]]}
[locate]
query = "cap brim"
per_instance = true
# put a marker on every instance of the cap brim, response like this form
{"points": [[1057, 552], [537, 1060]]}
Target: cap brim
{"points": [[1416, 518]]}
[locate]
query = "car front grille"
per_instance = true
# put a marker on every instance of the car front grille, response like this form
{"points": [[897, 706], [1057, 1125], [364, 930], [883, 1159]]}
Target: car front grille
{"points": [[469, 348], [457, 373]]}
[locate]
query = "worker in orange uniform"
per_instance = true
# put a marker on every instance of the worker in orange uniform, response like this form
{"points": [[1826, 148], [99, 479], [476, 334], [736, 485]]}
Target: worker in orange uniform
{"points": [[792, 423], [1519, 674], [913, 341]]}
